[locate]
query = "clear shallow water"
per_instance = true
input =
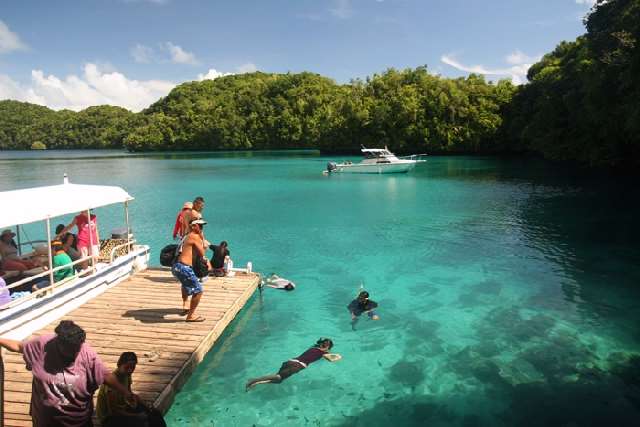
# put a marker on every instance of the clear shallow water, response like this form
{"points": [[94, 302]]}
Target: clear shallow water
{"points": [[508, 289]]}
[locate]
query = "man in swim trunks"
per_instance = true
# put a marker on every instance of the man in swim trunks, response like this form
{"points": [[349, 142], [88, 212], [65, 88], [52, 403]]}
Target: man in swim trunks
{"points": [[192, 247], [293, 366]]}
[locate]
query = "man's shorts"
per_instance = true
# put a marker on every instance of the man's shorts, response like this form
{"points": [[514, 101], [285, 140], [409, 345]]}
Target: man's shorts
{"points": [[184, 273]]}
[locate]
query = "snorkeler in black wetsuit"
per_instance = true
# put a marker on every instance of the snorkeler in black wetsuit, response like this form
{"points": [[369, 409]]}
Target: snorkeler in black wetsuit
{"points": [[360, 305]]}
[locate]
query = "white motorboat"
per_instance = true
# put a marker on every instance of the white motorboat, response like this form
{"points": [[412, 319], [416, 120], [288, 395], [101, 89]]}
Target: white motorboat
{"points": [[377, 160], [119, 257]]}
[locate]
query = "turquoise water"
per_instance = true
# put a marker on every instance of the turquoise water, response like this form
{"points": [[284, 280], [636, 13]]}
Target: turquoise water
{"points": [[508, 289]]}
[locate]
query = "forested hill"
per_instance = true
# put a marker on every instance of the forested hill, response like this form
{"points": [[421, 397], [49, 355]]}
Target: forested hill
{"points": [[581, 103], [408, 110]]}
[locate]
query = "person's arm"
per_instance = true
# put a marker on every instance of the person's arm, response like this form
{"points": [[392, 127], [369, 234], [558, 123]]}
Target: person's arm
{"points": [[11, 345], [67, 228], [332, 357], [111, 380], [352, 309]]}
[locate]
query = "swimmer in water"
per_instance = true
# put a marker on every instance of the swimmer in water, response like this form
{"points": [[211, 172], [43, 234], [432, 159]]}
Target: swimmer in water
{"points": [[293, 366], [362, 304]]}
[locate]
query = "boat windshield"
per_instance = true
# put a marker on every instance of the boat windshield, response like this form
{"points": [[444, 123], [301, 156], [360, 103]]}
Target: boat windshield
{"points": [[378, 154]]}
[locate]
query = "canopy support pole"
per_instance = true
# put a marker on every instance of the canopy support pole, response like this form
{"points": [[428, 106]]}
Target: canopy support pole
{"points": [[126, 220], [49, 252], [91, 242], [19, 242]]}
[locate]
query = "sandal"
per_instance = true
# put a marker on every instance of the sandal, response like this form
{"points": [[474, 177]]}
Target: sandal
{"points": [[195, 320]]}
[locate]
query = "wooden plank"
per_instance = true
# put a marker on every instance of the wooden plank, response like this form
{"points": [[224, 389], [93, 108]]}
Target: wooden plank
{"points": [[142, 314]]}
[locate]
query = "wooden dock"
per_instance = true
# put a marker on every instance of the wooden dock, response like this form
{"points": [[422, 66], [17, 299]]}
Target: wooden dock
{"points": [[142, 314]]}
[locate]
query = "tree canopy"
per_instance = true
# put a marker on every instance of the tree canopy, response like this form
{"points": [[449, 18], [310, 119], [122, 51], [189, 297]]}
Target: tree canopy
{"points": [[580, 104]]}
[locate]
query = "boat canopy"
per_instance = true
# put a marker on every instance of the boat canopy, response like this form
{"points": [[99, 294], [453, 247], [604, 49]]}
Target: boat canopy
{"points": [[41, 203]]}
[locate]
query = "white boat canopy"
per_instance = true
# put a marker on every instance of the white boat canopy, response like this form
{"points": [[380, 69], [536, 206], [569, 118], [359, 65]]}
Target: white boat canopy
{"points": [[41, 203]]}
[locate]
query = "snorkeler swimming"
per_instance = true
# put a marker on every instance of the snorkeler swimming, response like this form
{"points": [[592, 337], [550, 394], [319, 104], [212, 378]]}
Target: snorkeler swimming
{"points": [[293, 366], [276, 282], [362, 304]]}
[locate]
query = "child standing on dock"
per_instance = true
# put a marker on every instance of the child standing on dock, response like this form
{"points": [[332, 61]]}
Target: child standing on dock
{"points": [[293, 366], [192, 248]]}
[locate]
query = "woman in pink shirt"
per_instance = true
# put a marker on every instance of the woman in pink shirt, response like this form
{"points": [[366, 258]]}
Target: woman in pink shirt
{"points": [[66, 373], [88, 241]]}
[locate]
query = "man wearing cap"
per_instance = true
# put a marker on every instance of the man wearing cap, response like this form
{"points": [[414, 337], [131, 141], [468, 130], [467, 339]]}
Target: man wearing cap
{"points": [[180, 229], [192, 247]]}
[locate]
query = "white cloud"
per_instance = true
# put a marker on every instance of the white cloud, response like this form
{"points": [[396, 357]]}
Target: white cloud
{"points": [[141, 54], [342, 9], [212, 74], [587, 2], [520, 64], [97, 85], [519, 58], [9, 41], [93, 87], [179, 55], [249, 67]]}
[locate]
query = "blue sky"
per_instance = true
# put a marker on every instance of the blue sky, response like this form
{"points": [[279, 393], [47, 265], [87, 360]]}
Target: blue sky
{"points": [[72, 54]]}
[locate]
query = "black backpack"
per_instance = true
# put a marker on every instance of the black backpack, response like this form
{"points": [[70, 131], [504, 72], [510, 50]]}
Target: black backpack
{"points": [[168, 255]]}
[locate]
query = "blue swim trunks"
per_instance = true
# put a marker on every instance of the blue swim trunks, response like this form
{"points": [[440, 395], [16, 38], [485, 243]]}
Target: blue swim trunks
{"points": [[184, 273]]}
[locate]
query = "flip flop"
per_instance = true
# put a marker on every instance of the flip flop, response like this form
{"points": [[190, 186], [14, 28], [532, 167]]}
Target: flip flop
{"points": [[197, 319]]}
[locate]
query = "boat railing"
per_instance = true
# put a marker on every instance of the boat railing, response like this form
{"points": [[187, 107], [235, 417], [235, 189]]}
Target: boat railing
{"points": [[413, 157], [128, 244], [31, 279], [32, 243], [50, 288]]}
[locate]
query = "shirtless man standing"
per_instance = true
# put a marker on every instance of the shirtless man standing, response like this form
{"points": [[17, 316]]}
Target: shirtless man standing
{"points": [[182, 269]]}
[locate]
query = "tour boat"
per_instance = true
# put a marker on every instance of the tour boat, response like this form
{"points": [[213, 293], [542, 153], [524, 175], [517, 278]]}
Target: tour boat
{"points": [[119, 258], [377, 160]]}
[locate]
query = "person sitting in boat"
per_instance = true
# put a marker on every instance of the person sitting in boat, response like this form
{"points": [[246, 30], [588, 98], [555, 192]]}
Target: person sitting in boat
{"points": [[5, 295], [60, 259], [69, 246], [362, 304], [9, 252], [217, 260], [292, 366], [113, 409], [276, 282]]}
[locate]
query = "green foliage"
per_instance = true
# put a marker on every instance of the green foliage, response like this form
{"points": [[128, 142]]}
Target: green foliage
{"points": [[582, 100], [409, 110], [96, 127], [581, 103]]}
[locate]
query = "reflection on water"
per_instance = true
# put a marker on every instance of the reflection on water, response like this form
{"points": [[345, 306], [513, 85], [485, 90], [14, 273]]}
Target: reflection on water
{"points": [[507, 288]]}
